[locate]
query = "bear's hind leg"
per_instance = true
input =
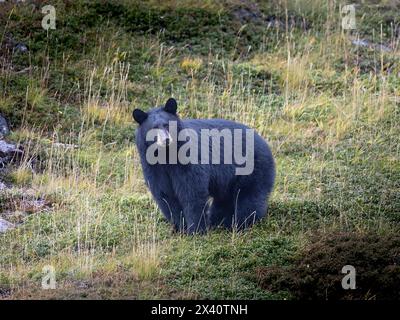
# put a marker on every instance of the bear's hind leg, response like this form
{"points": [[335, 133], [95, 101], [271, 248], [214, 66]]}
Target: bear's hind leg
{"points": [[249, 208], [221, 213], [195, 215]]}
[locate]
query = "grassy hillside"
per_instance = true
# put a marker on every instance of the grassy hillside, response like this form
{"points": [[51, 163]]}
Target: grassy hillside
{"points": [[328, 106]]}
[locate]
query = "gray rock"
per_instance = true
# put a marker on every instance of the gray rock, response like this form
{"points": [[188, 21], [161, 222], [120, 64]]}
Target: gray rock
{"points": [[5, 225], [65, 145], [20, 47], [13, 45], [9, 153], [368, 44], [2, 186], [4, 129], [7, 148], [361, 43]]}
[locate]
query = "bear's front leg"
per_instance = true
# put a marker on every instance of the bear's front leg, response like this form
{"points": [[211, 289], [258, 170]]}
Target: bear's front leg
{"points": [[194, 212], [169, 204], [190, 185], [172, 210]]}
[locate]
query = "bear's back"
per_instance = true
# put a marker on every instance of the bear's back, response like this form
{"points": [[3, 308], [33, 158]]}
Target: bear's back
{"points": [[222, 124], [219, 124]]}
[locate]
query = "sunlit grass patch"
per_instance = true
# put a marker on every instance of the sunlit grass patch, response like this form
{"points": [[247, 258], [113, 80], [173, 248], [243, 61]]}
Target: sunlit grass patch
{"points": [[112, 84], [293, 73], [22, 176], [144, 261], [191, 65], [313, 108]]}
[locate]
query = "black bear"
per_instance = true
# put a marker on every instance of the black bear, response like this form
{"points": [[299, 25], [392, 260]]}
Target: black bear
{"points": [[196, 170]]}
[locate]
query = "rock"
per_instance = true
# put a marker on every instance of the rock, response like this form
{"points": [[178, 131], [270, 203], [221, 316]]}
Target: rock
{"points": [[5, 225], [65, 145], [368, 44], [32, 206], [9, 153], [13, 45], [361, 42], [20, 47], [4, 130], [2, 186], [4, 292], [6, 148]]}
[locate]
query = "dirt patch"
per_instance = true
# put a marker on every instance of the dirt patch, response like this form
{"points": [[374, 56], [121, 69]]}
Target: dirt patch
{"points": [[101, 285], [249, 12], [14, 208], [316, 272]]}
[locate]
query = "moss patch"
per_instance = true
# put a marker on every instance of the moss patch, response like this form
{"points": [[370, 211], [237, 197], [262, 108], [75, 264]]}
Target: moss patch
{"points": [[315, 272]]}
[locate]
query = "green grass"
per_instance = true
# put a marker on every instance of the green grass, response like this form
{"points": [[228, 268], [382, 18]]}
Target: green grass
{"points": [[329, 110]]}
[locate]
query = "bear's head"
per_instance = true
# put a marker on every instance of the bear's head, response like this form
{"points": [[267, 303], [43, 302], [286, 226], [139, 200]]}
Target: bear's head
{"points": [[159, 120]]}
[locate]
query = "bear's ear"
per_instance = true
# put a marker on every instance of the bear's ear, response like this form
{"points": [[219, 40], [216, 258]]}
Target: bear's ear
{"points": [[171, 106], [139, 115]]}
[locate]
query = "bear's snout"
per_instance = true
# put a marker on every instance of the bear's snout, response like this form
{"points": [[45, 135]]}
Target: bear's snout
{"points": [[163, 137]]}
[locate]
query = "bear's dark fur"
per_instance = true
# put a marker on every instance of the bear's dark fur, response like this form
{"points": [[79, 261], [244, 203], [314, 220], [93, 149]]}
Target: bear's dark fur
{"points": [[196, 197]]}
